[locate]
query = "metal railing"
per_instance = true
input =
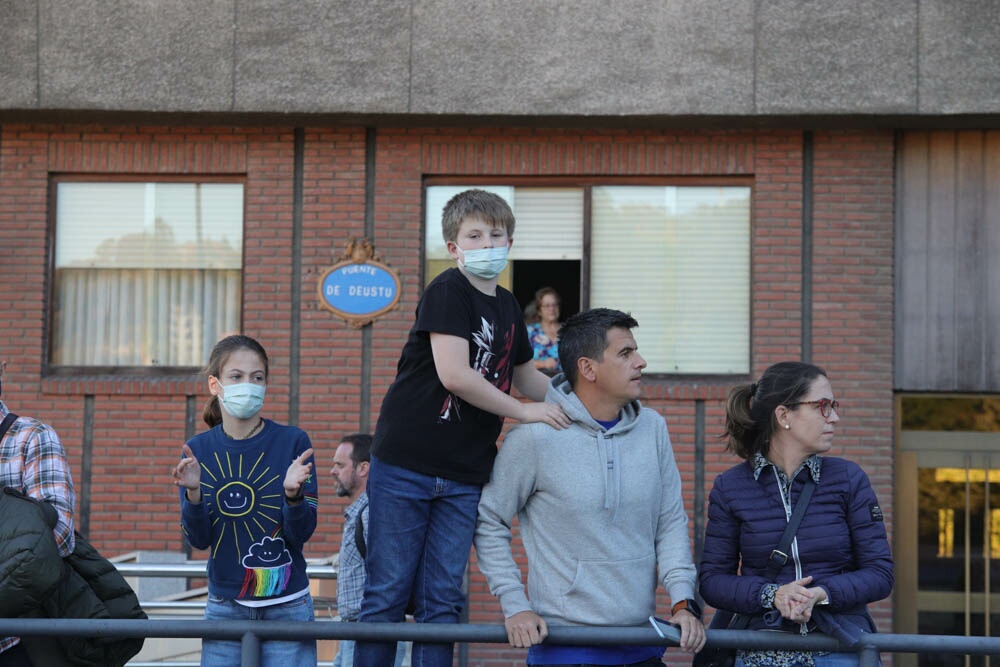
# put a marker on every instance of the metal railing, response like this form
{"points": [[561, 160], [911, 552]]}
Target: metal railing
{"points": [[251, 633]]}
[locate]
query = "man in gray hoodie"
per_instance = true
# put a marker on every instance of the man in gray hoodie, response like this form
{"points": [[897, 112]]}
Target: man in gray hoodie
{"points": [[599, 507]]}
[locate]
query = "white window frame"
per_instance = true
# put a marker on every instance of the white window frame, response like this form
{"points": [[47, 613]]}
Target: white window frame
{"points": [[147, 273]]}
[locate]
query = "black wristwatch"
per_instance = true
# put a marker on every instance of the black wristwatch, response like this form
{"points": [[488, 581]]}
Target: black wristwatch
{"points": [[689, 605]]}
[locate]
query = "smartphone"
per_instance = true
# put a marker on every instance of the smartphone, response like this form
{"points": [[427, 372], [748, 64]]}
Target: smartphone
{"points": [[666, 629]]}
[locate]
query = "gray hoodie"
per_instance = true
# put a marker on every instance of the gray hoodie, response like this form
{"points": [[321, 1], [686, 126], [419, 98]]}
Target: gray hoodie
{"points": [[599, 512]]}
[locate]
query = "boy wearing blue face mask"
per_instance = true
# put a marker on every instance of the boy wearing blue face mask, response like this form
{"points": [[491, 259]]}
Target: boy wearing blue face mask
{"points": [[248, 493], [435, 440]]}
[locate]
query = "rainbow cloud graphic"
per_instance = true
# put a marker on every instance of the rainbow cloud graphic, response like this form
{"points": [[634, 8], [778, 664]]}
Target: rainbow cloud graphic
{"points": [[268, 568]]}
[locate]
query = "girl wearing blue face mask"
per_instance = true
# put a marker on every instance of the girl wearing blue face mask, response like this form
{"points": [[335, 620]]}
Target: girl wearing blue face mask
{"points": [[248, 494]]}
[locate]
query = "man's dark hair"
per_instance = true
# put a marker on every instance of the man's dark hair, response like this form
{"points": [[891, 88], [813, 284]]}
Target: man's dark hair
{"points": [[586, 335], [362, 447]]}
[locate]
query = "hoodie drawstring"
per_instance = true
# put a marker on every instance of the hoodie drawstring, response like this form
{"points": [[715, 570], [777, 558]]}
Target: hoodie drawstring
{"points": [[612, 473]]}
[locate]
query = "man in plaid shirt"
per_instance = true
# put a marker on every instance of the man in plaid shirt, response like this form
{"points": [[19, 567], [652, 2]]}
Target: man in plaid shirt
{"points": [[32, 459]]}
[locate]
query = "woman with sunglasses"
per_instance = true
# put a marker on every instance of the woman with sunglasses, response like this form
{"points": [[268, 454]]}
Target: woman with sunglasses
{"points": [[783, 427]]}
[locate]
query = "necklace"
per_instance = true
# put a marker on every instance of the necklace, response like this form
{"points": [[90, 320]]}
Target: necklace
{"points": [[260, 422]]}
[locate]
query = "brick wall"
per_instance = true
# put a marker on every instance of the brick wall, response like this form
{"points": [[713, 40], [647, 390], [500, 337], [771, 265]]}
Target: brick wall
{"points": [[853, 300], [139, 423]]}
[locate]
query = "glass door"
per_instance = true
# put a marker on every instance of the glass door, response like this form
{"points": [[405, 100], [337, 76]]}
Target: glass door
{"points": [[948, 532]]}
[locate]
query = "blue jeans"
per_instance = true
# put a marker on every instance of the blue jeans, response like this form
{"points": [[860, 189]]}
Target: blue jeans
{"points": [[345, 654], [645, 663], [838, 660], [420, 532], [224, 653]]}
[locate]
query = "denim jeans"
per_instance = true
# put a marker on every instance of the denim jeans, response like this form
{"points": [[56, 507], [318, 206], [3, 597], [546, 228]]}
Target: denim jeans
{"points": [[645, 663], [420, 532], [345, 654], [221, 653], [838, 660]]}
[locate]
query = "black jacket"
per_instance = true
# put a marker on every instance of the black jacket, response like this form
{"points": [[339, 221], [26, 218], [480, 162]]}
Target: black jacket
{"points": [[91, 587], [30, 565], [36, 581]]}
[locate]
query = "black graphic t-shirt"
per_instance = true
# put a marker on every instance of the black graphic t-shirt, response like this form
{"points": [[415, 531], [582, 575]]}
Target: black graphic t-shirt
{"points": [[422, 426]]}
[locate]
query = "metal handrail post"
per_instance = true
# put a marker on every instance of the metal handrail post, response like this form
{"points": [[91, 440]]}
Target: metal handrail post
{"points": [[250, 650], [869, 656]]}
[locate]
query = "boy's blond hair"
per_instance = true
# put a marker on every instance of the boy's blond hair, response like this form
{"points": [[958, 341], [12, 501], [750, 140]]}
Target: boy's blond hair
{"points": [[476, 203]]}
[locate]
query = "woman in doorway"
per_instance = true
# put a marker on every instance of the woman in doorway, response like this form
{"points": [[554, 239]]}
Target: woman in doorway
{"points": [[782, 426], [544, 332], [248, 493]]}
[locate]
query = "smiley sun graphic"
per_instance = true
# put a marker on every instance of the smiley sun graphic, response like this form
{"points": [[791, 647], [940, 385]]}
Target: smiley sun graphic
{"points": [[246, 500]]}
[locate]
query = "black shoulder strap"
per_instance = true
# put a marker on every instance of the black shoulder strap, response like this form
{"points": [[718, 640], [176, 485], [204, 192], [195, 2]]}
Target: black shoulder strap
{"points": [[359, 535], [7, 421], [780, 554]]}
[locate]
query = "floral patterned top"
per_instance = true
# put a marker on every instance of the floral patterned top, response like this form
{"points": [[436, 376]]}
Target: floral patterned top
{"points": [[543, 346]]}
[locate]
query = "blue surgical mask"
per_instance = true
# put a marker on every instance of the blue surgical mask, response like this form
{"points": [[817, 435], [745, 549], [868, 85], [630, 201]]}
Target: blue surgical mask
{"points": [[485, 263], [242, 400]]}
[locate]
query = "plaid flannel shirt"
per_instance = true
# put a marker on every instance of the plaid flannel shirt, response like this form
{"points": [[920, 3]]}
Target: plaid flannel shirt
{"points": [[351, 573]]}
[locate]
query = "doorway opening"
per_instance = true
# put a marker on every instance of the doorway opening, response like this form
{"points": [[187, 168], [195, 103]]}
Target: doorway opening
{"points": [[562, 275], [947, 538]]}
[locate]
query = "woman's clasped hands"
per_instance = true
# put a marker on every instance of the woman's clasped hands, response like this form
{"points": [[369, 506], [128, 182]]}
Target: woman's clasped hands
{"points": [[795, 601]]}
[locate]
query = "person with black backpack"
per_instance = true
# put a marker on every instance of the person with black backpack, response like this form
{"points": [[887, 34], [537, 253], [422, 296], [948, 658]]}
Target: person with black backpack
{"points": [[33, 462], [51, 571], [350, 473]]}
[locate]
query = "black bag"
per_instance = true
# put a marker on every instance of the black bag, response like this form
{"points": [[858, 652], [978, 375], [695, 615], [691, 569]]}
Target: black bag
{"points": [[90, 587], [717, 656], [29, 555], [727, 620]]}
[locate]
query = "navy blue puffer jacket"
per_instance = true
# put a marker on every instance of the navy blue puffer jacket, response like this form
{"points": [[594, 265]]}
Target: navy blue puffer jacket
{"points": [[841, 542]]}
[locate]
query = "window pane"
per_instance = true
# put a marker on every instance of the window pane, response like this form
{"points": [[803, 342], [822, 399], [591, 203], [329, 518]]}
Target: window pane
{"points": [[549, 223], [931, 413], [678, 259], [147, 274]]}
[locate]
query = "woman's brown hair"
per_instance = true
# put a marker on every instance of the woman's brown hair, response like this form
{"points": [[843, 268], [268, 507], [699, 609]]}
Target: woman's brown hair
{"points": [[750, 420], [212, 414]]}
